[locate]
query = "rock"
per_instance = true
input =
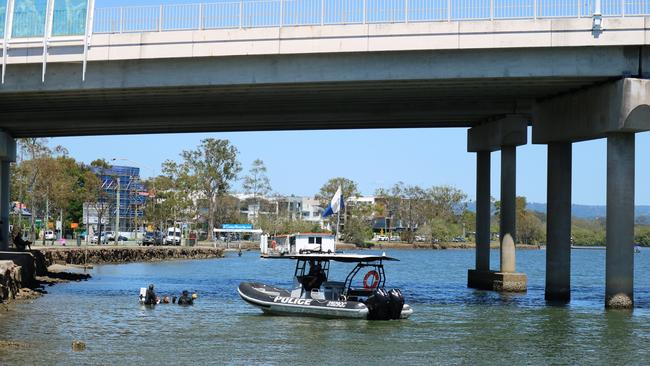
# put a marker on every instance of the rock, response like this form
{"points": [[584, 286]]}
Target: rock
{"points": [[126, 255], [10, 280], [11, 344], [619, 301], [78, 346]]}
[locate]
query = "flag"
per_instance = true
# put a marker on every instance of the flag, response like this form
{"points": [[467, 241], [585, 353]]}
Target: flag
{"points": [[336, 204]]}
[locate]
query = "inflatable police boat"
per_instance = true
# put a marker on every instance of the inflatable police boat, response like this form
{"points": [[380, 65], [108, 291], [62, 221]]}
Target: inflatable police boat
{"points": [[314, 294]]}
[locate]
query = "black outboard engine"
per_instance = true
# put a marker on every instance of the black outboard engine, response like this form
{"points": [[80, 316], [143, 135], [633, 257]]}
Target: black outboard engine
{"points": [[378, 305], [396, 303]]}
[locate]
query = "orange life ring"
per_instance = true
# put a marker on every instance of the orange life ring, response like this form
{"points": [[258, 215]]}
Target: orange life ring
{"points": [[374, 283]]}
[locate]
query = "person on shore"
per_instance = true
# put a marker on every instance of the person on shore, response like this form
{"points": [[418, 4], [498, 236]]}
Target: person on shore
{"points": [[19, 242], [185, 299], [150, 297]]}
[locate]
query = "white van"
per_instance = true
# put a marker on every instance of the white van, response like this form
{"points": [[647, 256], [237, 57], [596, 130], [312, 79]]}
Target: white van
{"points": [[173, 236]]}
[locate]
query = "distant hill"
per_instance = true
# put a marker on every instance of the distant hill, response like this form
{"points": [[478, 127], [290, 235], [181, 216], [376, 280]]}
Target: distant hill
{"points": [[590, 211], [581, 211]]}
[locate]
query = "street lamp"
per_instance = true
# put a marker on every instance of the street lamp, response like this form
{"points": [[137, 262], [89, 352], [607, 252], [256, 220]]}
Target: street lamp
{"points": [[153, 171]]}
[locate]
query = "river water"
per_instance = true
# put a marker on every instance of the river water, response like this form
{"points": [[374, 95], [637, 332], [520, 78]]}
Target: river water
{"points": [[451, 324]]}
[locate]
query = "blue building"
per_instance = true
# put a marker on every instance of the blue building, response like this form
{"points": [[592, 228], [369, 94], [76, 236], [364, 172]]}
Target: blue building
{"points": [[133, 195]]}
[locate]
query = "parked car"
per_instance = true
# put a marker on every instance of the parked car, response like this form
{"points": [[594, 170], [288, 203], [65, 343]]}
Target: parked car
{"points": [[420, 238], [152, 238], [110, 235], [382, 238], [96, 240], [173, 236], [49, 235]]}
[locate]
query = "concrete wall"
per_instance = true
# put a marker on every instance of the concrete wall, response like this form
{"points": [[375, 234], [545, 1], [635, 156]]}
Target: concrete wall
{"points": [[525, 33]]}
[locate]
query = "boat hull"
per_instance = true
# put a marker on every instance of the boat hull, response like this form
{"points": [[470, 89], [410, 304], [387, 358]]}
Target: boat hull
{"points": [[277, 301]]}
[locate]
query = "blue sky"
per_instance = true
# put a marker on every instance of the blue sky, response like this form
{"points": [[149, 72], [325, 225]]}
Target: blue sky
{"points": [[300, 162]]}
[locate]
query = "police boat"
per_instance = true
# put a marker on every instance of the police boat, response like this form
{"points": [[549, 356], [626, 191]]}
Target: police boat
{"points": [[362, 295]]}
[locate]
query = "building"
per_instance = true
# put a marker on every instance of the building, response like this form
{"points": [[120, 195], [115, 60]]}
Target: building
{"points": [[297, 243], [122, 184]]}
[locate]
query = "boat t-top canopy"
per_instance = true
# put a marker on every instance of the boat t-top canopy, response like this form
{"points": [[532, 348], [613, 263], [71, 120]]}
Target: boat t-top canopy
{"points": [[348, 258]]}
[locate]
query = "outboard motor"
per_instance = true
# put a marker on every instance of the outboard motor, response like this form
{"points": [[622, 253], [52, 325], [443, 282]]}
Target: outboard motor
{"points": [[379, 305], [396, 303]]}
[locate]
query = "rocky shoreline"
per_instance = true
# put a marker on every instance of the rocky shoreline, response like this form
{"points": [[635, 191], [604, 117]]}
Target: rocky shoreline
{"points": [[104, 255], [23, 275]]}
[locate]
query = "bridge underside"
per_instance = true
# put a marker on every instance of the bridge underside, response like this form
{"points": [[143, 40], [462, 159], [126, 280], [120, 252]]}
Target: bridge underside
{"points": [[452, 88], [302, 106]]}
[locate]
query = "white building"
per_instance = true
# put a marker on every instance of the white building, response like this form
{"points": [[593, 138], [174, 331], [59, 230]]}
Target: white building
{"points": [[297, 243]]}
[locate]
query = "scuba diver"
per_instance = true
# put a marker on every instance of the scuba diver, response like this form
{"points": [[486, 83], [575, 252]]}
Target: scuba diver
{"points": [[150, 297], [185, 299]]}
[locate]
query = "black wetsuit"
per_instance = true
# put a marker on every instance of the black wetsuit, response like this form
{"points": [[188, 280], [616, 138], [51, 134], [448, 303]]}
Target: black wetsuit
{"points": [[185, 300], [150, 298]]}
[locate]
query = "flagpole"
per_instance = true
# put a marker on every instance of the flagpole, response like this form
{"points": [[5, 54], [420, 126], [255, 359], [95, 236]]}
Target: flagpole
{"points": [[338, 224]]}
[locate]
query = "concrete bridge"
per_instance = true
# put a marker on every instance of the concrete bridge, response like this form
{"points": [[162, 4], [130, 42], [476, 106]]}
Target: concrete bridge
{"points": [[572, 78]]}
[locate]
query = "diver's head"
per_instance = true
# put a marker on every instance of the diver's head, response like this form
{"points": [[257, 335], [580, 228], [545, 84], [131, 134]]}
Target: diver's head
{"points": [[151, 286], [185, 293]]}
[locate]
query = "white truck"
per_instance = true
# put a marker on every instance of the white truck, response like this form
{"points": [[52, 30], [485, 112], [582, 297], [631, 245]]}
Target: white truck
{"points": [[173, 236]]}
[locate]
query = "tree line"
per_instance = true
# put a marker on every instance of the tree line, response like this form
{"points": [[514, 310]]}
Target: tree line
{"points": [[197, 189]]}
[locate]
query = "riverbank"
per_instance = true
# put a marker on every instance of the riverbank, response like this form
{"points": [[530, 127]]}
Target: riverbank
{"points": [[435, 246], [116, 254]]}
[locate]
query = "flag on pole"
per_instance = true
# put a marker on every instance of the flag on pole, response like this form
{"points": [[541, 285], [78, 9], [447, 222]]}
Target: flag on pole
{"points": [[337, 203]]}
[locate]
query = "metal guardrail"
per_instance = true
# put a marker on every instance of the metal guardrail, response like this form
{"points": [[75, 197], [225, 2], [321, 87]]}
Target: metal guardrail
{"points": [[279, 13]]}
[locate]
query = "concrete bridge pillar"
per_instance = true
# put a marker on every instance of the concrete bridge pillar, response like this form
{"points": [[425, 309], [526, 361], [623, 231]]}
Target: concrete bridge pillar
{"points": [[508, 209], [7, 155], [619, 263], [558, 223], [504, 134], [483, 211], [479, 277], [614, 111]]}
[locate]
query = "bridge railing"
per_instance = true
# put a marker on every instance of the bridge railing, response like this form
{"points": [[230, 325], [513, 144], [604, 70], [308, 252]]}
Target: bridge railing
{"points": [[279, 13]]}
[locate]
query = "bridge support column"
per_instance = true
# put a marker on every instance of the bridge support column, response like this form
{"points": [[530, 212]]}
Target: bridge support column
{"points": [[558, 223], [504, 134], [479, 277], [619, 263], [7, 155], [614, 111]]}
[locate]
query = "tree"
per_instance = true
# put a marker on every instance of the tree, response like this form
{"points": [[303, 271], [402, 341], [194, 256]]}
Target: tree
{"points": [[209, 171], [407, 205], [348, 189], [530, 228], [173, 196], [34, 158], [96, 197], [256, 182]]}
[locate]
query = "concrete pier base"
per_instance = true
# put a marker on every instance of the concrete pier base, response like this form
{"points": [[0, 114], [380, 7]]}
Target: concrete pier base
{"points": [[497, 281]]}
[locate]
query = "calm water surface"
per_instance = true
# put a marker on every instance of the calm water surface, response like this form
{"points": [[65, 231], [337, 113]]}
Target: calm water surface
{"points": [[451, 324]]}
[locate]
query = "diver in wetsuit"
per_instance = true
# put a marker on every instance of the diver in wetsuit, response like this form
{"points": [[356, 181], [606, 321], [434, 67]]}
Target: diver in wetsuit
{"points": [[185, 299], [150, 297]]}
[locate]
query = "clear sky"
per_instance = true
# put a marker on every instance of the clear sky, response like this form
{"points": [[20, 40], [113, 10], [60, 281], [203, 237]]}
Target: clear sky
{"points": [[300, 162]]}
